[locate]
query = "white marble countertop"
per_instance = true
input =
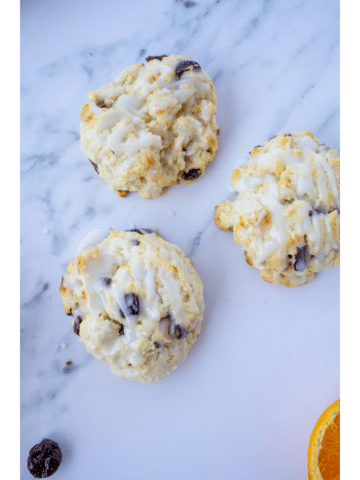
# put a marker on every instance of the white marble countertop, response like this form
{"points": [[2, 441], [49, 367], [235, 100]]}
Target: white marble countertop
{"points": [[266, 363]]}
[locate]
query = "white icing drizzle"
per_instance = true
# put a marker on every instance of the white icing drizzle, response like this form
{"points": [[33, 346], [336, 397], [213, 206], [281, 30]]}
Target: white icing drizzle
{"points": [[108, 277], [330, 175], [263, 181]]}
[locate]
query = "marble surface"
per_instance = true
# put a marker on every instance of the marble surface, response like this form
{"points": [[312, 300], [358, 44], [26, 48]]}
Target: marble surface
{"points": [[266, 363]]}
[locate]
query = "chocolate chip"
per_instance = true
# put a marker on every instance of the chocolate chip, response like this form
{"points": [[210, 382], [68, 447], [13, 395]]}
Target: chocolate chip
{"points": [[185, 66], [121, 330], [76, 327], [301, 259], [157, 345], [44, 458], [95, 166], [101, 104], [192, 174], [106, 281], [69, 313], [155, 57], [132, 304], [179, 332]]}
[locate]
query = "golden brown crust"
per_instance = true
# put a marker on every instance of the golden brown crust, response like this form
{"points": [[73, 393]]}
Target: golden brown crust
{"points": [[285, 215]]}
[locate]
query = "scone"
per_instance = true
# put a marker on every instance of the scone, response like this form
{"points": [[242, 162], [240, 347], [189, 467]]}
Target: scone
{"points": [[137, 303], [152, 126], [286, 213]]}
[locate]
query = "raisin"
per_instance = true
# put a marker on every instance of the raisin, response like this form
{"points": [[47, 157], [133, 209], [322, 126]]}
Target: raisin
{"points": [[44, 459], [77, 325], [179, 332], [121, 330], [185, 66], [95, 166], [106, 281], [155, 57], [301, 259], [132, 304], [192, 174]]}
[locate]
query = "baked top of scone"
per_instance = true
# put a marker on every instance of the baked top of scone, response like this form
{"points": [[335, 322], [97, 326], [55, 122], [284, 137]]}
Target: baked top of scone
{"points": [[286, 213], [136, 302], [152, 126]]}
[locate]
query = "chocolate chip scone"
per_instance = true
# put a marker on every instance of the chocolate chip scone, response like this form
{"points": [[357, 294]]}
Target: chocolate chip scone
{"points": [[152, 126], [286, 214], [137, 303]]}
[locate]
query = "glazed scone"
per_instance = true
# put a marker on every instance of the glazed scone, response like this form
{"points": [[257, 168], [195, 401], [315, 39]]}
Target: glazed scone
{"points": [[152, 126], [137, 303], [286, 213]]}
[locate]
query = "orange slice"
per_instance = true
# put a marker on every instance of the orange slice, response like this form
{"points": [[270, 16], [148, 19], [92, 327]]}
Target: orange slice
{"points": [[324, 446]]}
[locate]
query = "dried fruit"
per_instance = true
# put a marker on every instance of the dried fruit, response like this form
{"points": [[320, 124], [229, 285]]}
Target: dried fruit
{"points": [[132, 304], [155, 57], [185, 66], [301, 259], [44, 458], [77, 322], [192, 174], [179, 332]]}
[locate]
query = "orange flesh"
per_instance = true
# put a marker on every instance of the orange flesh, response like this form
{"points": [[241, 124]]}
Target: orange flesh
{"points": [[329, 455]]}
